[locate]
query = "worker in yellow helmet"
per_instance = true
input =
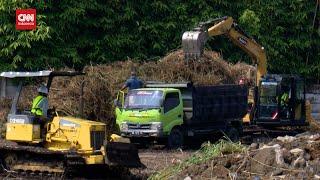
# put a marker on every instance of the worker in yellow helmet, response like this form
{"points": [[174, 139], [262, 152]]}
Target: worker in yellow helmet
{"points": [[40, 103], [40, 109]]}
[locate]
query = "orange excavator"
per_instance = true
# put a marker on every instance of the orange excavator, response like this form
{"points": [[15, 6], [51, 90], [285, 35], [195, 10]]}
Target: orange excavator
{"points": [[267, 109]]}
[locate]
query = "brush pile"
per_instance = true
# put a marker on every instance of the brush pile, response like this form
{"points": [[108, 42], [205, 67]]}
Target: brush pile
{"points": [[102, 82]]}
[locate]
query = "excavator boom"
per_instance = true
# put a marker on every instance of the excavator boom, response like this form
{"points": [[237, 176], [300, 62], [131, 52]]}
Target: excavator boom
{"points": [[193, 41]]}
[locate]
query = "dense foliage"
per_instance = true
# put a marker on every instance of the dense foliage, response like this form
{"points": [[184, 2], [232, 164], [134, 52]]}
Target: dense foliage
{"points": [[75, 33]]}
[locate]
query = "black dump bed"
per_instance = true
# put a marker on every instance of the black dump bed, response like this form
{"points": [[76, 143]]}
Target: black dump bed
{"points": [[210, 105], [213, 104]]}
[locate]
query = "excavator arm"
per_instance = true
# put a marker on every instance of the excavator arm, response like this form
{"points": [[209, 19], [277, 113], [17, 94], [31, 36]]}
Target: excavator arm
{"points": [[193, 41]]}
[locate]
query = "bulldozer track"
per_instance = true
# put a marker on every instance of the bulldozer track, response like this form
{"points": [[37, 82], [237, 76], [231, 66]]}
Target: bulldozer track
{"points": [[36, 168], [26, 160], [30, 174]]}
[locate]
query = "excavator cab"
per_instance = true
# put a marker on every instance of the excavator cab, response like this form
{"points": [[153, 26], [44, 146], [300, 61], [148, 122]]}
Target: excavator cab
{"points": [[280, 101]]}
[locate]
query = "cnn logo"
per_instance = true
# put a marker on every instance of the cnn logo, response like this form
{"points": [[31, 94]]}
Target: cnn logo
{"points": [[26, 19]]}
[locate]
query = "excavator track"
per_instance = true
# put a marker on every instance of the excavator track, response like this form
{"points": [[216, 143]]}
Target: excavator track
{"points": [[29, 160]]}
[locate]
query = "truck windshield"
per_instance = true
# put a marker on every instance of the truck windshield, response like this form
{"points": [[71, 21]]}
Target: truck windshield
{"points": [[143, 99], [268, 93]]}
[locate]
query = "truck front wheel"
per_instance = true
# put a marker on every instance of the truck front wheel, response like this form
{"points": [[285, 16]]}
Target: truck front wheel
{"points": [[175, 139]]}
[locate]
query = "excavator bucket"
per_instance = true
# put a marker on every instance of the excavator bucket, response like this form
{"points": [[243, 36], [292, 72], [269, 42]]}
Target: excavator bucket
{"points": [[193, 43], [122, 154]]}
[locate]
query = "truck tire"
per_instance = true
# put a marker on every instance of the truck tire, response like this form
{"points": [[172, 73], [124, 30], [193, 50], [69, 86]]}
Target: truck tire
{"points": [[175, 139], [233, 134]]}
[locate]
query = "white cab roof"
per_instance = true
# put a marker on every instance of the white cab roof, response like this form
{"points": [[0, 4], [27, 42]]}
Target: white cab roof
{"points": [[12, 74]]}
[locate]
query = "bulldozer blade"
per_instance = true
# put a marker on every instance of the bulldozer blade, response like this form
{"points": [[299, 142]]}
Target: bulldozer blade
{"points": [[122, 154], [193, 43]]}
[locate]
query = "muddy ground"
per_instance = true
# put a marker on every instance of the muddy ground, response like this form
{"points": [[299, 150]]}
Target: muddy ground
{"points": [[156, 160]]}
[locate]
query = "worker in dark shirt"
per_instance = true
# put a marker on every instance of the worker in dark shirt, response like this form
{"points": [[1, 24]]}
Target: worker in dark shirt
{"points": [[133, 82]]}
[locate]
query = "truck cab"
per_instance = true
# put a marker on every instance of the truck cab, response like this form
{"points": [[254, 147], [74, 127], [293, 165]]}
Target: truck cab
{"points": [[150, 112]]}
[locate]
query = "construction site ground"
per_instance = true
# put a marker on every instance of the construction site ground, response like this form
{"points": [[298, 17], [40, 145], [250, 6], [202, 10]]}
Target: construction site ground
{"points": [[281, 157], [278, 157], [154, 158]]}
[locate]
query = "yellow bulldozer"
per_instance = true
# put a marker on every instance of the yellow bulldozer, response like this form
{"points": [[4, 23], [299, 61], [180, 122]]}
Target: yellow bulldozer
{"points": [[62, 142]]}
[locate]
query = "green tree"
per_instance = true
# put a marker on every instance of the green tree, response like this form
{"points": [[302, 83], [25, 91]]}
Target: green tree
{"points": [[75, 33], [17, 47]]}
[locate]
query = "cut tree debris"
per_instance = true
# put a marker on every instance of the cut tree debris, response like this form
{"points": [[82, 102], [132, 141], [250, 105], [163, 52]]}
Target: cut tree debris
{"points": [[102, 82]]}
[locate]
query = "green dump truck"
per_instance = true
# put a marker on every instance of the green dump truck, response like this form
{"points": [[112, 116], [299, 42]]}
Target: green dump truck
{"points": [[176, 112]]}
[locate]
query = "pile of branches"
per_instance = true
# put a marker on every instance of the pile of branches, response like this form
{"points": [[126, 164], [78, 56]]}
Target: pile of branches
{"points": [[102, 82]]}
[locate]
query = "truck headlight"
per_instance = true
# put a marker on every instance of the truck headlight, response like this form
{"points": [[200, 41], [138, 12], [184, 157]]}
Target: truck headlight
{"points": [[156, 126], [124, 126]]}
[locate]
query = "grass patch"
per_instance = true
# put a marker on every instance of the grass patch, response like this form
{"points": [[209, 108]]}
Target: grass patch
{"points": [[205, 153]]}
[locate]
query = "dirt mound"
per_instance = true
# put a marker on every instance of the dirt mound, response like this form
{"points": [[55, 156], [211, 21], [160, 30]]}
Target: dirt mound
{"points": [[101, 82], [283, 158]]}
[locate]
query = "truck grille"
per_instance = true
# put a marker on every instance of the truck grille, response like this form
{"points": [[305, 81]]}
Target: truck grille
{"points": [[96, 139], [139, 126]]}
